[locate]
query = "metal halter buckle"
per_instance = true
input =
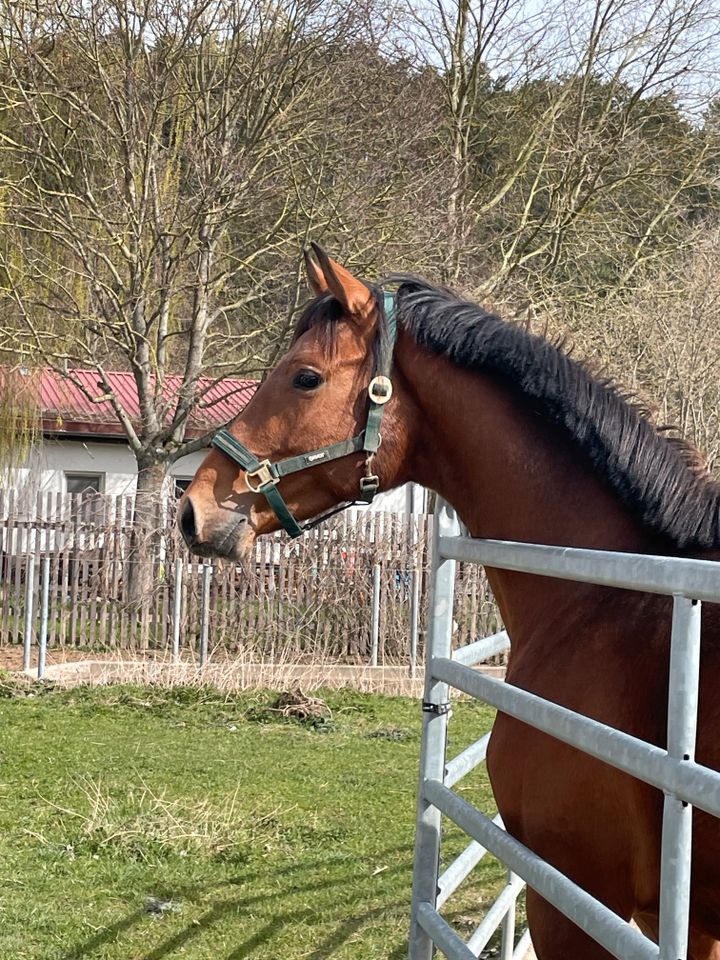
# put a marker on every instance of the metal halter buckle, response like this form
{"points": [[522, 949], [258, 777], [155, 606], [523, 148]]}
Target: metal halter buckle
{"points": [[380, 389], [369, 484], [264, 476]]}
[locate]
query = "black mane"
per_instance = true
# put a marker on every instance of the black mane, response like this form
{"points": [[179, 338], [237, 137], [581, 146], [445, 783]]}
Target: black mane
{"points": [[660, 478]]}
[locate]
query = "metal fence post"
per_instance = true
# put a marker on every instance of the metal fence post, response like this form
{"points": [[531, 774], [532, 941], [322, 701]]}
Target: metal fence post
{"points": [[507, 945], [434, 734], [205, 613], [177, 610], [44, 613], [415, 588], [677, 815], [375, 637], [29, 606]]}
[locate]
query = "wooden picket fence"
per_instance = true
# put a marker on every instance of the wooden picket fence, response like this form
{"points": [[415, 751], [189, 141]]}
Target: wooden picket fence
{"points": [[300, 600]]}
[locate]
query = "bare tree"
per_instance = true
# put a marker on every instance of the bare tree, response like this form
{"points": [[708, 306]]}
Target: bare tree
{"points": [[145, 190], [665, 340], [549, 127]]}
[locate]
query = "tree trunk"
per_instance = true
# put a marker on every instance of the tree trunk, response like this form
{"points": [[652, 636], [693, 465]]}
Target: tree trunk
{"points": [[146, 530]]}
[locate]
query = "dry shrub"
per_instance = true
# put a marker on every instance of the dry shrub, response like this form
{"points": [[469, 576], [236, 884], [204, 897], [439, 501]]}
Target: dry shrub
{"points": [[230, 673], [295, 706]]}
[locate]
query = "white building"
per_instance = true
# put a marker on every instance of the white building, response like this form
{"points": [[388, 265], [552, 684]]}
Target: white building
{"points": [[84, 448]]}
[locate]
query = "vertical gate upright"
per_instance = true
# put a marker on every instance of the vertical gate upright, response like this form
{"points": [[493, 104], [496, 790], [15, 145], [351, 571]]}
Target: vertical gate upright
{"points": [[684, 782]]}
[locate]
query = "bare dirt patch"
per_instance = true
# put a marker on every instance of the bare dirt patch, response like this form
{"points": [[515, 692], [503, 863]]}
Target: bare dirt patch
{"points": [[11, 657]]}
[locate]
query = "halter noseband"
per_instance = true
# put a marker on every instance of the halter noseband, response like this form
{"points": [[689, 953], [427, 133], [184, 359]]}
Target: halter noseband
{"points": [[262, 476]]}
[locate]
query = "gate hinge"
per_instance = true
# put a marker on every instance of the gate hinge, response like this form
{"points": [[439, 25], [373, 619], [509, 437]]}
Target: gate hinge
{"points": [[437, 708]]}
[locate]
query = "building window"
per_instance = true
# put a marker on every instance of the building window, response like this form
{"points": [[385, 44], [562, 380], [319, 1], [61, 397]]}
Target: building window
{"points": [[181, 485], [85, 502], [84, 483]]}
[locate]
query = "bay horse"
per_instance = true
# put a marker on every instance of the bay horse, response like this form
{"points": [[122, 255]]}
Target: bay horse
{"points": [[528, 445]]}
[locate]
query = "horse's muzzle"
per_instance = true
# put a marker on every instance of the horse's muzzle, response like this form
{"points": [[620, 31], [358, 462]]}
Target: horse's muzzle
{"points": [[229, 539]]}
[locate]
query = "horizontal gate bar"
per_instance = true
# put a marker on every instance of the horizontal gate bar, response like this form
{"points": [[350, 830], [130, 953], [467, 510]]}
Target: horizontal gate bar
{"points": [[466, 761], [442, 934], [461, 866], [696, 579], [600, 923], [682, 778], [482, 649], [493, 918]]}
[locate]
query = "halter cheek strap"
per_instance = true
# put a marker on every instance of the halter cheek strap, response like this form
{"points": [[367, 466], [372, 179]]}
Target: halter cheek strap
{"points": [[263, 477]]}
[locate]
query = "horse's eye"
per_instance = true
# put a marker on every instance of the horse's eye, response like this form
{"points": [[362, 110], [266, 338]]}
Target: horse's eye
{"points": [[307, 380]]}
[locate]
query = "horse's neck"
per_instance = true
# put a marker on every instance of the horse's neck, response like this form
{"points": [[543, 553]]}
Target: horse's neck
{"points": [[511, 476]]}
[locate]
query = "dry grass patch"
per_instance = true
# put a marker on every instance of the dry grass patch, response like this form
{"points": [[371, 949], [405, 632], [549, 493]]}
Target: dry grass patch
{"points": [[144, 824]]}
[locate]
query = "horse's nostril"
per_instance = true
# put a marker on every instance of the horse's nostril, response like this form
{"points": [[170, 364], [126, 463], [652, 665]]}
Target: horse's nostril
{"points": [[187, 523]]}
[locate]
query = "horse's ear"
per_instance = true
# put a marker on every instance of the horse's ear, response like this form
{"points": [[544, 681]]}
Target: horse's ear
{"points": [[352, 293], [316, 281]]}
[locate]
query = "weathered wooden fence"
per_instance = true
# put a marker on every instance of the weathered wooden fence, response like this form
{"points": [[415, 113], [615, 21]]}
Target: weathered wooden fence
{"points": [[348, 591]]}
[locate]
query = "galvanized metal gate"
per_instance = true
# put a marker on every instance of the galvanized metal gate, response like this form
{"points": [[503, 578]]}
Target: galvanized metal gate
{"points": [[684, 782]]}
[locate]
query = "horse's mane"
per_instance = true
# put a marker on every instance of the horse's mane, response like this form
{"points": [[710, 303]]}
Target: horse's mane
{"points": [[661, 478]]}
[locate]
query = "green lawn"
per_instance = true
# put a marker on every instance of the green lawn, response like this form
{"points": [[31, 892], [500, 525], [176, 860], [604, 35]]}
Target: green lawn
{"points": [[140, 823]]}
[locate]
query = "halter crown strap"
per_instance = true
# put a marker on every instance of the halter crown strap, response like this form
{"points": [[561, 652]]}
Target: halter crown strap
{"points": [[380, 387], [266, 475]]}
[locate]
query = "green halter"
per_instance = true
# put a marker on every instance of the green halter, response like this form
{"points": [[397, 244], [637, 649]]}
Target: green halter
{"points": [[265, 475]]}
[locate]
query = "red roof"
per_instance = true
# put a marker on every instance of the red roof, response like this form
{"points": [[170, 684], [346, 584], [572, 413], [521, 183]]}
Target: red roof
{"points": [[66, 409]]}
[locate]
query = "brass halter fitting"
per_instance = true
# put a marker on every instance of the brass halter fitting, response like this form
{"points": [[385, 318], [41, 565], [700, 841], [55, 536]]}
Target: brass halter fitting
{"points": [[263, 474], [380, 389]]}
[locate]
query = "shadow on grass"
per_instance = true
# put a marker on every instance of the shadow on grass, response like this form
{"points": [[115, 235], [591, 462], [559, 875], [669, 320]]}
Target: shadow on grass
{"points": [[346, 909]]}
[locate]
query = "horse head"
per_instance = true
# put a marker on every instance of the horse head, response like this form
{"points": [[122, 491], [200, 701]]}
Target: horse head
{"points": [[325, 428]]}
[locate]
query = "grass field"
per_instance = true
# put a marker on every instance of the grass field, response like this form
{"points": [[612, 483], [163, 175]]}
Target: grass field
{"points": [[141, 824]]}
